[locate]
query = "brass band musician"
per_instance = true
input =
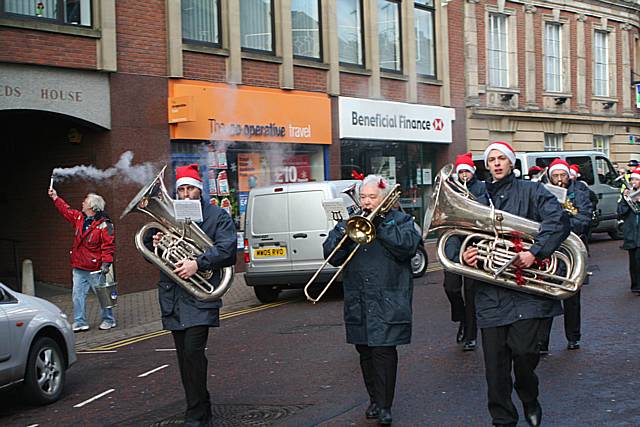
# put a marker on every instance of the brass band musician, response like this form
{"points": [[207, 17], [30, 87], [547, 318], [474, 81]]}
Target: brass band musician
{"points": [[631, 228]]}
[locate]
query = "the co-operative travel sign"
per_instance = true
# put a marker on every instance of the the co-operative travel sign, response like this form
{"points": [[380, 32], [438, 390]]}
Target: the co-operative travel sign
{"points": [[397, 121]]}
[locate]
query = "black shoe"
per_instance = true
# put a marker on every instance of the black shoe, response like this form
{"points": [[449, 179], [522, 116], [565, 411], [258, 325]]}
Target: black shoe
{"points": [[573, 345], [543, 349], [469, 345], [372, 411], [533, 413], [384, 417], [460, 335]]}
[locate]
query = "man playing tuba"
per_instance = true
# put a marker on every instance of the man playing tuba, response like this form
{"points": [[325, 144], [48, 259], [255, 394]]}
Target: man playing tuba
{"points": [[510, 320], [188, 318], [578, 198]]}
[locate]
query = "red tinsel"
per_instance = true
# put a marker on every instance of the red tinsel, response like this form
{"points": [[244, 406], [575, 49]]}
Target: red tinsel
{"points": [[356, 175], [540, 263], [382, 185]]}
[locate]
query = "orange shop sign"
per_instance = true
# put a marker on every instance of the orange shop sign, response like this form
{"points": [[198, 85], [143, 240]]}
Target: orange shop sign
{"points": [[217, 111]]}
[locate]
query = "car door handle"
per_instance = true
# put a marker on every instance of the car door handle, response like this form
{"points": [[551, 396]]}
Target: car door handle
{"points": [[300, 236], [323, 234]]}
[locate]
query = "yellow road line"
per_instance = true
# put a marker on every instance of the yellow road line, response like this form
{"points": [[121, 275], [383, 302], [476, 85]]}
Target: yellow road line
{"points": [[150, 335]]}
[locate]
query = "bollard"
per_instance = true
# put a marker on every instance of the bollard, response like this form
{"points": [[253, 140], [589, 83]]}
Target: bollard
{"points": [[28, 284]]}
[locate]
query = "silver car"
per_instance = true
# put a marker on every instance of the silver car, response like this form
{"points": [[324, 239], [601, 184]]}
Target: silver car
{"points": [[36, 346]]}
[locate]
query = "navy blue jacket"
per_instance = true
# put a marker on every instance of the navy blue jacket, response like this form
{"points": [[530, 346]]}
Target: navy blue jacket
{"points": [[179, 309], [452, 247], [631, 226], [499, 306], [579, 196], [377, 282]]}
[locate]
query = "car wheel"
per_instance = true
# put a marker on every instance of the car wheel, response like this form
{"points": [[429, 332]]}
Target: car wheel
{"points": [[266, 294], [618, 234], [419, 262], [45, 374]]}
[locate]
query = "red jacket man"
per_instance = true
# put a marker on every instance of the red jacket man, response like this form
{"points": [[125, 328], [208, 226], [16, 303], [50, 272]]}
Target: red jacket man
{"points": [[91, 252]]}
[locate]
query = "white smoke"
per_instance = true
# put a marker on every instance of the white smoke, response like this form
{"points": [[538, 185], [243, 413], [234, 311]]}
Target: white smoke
{"points": [[122, 170]]}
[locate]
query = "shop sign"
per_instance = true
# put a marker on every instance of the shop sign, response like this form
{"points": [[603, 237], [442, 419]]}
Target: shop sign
{"points": [[81, 94], [397, 121], [220, 112]]}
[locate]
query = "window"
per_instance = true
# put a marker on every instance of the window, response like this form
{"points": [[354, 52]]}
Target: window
{"points": [[74, 12], [201, 21], [606, 172], [313, 219], [425, 45], [350, 32], [256, 25], [601, 144], [389, 35], [601, 66], [497, 51], [586, 168], [553, 142], [553, 57], [305, 27]]}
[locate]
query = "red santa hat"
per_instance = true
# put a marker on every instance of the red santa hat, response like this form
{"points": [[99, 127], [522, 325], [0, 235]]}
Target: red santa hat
{"points": [[534, 170], [559, 164], [188, 175], [635, 173], [504, 148], [464, 162], [574, 170]]}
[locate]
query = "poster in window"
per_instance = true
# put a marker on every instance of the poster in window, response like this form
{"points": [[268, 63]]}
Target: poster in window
{"points": [[251, 174], [295, 168], [385, 166]]}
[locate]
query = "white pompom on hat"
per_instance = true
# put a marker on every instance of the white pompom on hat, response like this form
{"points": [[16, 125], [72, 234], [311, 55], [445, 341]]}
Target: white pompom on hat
{"points": [[504, 148]]}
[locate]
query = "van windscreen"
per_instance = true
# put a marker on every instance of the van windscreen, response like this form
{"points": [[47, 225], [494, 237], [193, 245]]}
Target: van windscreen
{"points": [[586, 167], [269, 214]]}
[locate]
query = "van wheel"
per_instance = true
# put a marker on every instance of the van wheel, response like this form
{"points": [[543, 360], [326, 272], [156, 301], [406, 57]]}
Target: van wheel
{"points": [[45, 374], [419, 262], [618, 234], [266, 294]]}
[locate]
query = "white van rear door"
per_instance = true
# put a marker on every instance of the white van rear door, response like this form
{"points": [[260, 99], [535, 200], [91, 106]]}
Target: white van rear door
{"points": [[308, 223], [269, 233]]}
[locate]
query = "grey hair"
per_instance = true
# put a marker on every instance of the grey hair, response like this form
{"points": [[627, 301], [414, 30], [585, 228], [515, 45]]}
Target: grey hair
{"points": [[96, 202], [374, 180]]}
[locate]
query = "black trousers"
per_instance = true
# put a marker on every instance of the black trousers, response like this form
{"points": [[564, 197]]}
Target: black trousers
{"points": [[506, 347], [634, 268], [463, 309], [572, 320], [190, 344], [379, 366]]}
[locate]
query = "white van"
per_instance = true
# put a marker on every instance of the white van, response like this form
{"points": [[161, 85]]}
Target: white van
{"points": [[285, 226], [595, 170]]}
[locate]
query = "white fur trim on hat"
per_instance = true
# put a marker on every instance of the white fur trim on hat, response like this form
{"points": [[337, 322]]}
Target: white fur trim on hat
{"points": [[572, 172], [465, 167], [561, 167], [503, 148], [634, 175], [189, 181]]}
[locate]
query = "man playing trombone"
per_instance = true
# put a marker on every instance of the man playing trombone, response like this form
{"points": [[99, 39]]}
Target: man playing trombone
{"points": [[378, 290], [511, 320], [628, 211]]}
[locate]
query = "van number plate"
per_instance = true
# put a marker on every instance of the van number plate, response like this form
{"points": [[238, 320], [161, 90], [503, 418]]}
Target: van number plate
{"points": [[269, 252]]}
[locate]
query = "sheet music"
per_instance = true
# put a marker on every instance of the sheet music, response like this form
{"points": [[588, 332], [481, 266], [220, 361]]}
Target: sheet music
{"points": [[184, 209], [559, 192], [335, 209]]}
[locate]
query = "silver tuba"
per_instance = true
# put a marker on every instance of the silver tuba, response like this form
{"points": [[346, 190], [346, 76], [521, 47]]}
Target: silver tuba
{"points": [[497, 236], [181, 240]]}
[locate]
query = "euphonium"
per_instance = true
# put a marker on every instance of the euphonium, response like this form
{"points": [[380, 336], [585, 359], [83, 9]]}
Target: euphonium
{"points": [[499, 236], [181, 241]]}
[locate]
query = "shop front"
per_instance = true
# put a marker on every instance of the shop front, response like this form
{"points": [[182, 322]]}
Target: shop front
{"points": [[396, 140], [246, 137]]}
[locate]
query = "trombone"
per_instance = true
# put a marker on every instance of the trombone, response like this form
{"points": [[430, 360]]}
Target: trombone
{"points": [[361, 230]]}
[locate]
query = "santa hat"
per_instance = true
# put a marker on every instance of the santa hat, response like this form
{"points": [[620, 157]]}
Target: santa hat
{"points": [[504, 148], [574, 170], [464, 162], [559, 164], [534, 170], [635, 173], [188, 175]]}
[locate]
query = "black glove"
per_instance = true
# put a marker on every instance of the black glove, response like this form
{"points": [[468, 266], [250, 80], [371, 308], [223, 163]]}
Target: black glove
{"points": [[379, 219], [104, 269]]}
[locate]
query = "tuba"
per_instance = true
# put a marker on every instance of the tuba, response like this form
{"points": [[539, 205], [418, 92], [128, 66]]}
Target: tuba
{"points": [[182, 240], [499, 236]]}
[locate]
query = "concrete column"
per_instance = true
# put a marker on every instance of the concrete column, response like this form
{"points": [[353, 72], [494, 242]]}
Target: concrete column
{"points": [[372, 47], [581, 66], [174, 38], [234, 61], [442, 37], [530, 57], [28, 283], [105, 16], [283, 22], [409, 50], [471, 52], [331, 46]]}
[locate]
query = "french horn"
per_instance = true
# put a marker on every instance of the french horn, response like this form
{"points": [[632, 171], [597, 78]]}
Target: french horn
{"points": [[181, 240], [499, 236]]}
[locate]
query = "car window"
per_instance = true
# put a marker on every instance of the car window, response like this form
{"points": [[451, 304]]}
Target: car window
{"points": [[606, 173], [5, 297], [309, 202], [268, 214], [586, 168]]}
